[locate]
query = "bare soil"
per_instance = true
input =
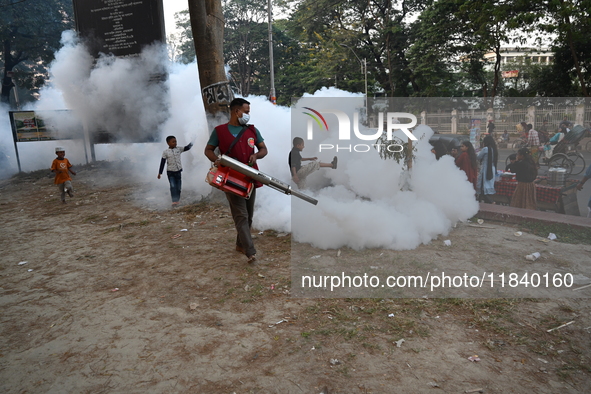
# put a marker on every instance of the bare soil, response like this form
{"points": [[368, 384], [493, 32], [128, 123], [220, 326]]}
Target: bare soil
{"points": [[115, 298]]}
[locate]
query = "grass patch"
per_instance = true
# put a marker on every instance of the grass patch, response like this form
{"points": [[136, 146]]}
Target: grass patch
{"points": [[564, 232], [137, 224]]}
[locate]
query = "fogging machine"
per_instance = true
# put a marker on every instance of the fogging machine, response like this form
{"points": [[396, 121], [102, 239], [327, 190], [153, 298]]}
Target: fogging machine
{"points": [[256, 175]]}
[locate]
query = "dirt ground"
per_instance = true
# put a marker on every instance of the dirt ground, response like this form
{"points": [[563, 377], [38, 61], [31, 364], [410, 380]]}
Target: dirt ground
{"points": [[115, 297]]}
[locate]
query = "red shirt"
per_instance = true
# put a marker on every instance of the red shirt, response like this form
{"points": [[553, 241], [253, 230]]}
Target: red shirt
{"points": [[463, 161]]}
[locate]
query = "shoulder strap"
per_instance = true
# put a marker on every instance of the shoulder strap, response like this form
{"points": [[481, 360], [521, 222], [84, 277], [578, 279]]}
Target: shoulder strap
{"points": [[236, 139]]}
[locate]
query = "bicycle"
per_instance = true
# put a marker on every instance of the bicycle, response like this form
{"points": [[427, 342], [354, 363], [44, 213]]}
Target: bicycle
{"points": [[518, 144], [556, 160], [579, 164], [577, 160], [565, 154]]}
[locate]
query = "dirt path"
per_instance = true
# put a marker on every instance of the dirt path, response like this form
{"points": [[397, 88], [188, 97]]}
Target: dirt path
{"points": [[110, 301]]}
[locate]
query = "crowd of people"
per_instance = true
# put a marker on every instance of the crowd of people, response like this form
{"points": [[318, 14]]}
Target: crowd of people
{"points": [[480, 167]]}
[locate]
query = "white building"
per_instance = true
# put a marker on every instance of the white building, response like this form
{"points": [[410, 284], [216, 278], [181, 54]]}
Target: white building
{"points": [[518, 55]]}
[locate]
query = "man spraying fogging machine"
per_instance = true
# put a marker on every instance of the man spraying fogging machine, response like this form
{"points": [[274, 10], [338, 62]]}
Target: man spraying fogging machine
{"points": [[264, 178]]}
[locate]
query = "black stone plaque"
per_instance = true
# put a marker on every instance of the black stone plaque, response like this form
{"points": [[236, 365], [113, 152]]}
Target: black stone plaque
{"points": [[120, 27]]}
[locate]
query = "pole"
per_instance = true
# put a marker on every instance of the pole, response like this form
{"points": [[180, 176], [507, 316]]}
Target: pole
{"points": [[272, 97], [363, 71]]}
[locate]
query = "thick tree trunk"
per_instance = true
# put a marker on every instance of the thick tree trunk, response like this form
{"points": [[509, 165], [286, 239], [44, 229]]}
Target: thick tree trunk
{"points": [[207, 23]]}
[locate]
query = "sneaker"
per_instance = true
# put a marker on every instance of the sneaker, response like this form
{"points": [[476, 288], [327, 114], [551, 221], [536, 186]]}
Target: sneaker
{"points": [[334, 163], [252, 259]]}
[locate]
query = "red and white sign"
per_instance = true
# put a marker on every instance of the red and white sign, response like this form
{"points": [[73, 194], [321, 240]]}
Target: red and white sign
{"points": [[511, 74]]}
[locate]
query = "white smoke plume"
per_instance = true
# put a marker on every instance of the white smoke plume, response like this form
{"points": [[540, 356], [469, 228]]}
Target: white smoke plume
{"points": [[360, 204]]}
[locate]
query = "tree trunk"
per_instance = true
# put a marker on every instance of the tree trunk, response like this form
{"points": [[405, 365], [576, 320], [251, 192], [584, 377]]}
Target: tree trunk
{"points": [[497, 69], [7, 83], [207, 23]]}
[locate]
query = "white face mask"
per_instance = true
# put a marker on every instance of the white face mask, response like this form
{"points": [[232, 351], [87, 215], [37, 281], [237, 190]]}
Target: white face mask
{"points": [[244, 119]]}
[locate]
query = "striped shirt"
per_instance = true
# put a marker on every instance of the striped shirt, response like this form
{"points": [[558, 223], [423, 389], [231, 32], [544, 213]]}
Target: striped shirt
{"points": [[532, 138]]}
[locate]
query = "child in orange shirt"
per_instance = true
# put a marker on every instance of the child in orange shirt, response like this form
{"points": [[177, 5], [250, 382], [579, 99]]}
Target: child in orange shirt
{"points": [[62, 168]]}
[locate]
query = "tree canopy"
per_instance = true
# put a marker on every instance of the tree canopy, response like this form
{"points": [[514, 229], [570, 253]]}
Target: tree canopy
{"points": [[31, 32], [411, 48]]}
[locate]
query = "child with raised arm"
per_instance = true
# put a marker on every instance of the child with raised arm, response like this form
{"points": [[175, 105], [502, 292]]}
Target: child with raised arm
{"points": [[299, 172], [172, 158], [62, 168]]}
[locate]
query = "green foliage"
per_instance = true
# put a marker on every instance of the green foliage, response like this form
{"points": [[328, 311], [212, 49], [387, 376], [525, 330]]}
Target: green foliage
{"points": [[181, 45], [31, 32], [413, 48]]}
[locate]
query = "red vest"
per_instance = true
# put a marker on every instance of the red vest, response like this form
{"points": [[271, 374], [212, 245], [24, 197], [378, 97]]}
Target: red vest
{"points": [[243, 149]]}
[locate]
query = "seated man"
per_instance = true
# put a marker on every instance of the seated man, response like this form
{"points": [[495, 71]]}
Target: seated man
{"points": [[299, 172], [506, 136]]}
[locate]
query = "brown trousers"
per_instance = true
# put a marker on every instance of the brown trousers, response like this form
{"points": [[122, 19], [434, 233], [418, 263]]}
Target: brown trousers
{"points": [[242, 212]]}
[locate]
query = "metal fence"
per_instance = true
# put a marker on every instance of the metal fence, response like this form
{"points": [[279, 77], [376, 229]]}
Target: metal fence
{"points": [[439, 122], [507, 119]]}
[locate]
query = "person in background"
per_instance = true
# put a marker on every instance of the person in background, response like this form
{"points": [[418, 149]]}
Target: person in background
{"points": [[580, 187], [468, 163], [505, 136], [566, 123], [533, 141], [490, 128], [522, 129], [172, 158], [512, 159], [562, 131], [526, 171], [487, 157], [556, 138], [439, 149], [543, 132], [454, 152], [62, 168]]}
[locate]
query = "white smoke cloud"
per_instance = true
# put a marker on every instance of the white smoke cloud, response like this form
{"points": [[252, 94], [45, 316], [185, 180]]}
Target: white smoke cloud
{"points": [[8, 162], [361, 204], [367, 208]]}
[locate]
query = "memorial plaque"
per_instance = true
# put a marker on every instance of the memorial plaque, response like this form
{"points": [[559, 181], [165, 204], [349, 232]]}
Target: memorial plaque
{"points": [[120, 27]]}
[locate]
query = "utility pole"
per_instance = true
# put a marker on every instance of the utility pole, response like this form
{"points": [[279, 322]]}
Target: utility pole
{"points": [[272, 96], [363, 71]]}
